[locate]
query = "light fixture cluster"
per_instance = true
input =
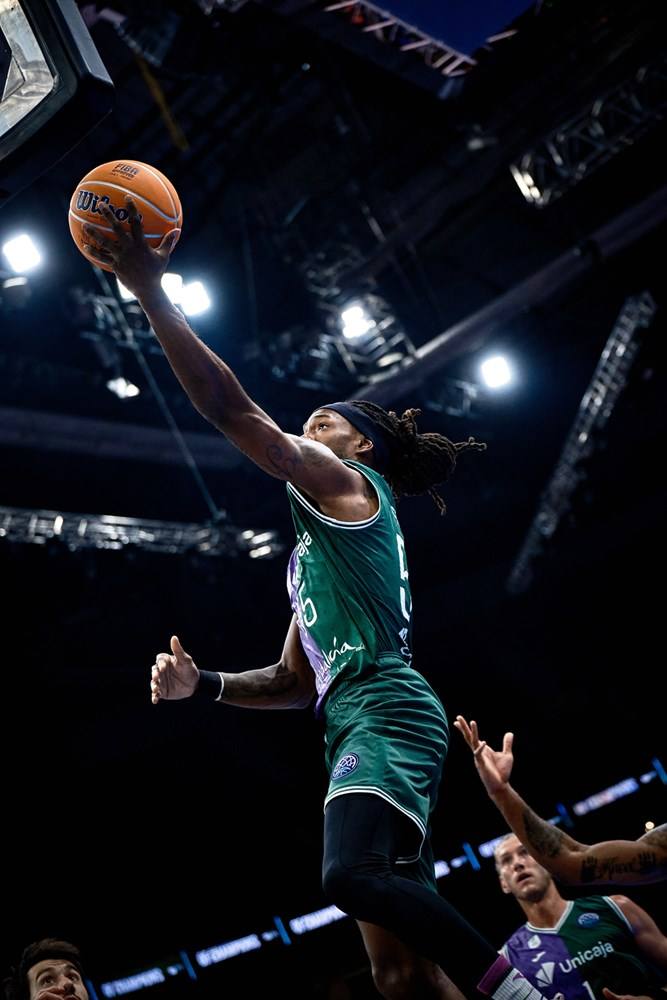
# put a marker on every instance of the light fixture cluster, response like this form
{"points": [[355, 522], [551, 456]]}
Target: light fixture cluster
{"points": [[106, 531], [23, 255], [260, 544], [192, 298]]}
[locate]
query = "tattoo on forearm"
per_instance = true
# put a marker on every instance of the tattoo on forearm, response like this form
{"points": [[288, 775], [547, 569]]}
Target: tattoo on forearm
{"points": [[544, 837], [597, 869]]}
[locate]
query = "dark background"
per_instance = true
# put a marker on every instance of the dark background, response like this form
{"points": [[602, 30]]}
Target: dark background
{"points": [[140, 831]]}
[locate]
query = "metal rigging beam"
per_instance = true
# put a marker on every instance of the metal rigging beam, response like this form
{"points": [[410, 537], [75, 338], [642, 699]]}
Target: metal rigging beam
{"points": [[609, 239]]}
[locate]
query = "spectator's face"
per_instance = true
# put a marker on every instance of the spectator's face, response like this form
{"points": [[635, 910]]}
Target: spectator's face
{"points": [[55, 977], [520, 875]]}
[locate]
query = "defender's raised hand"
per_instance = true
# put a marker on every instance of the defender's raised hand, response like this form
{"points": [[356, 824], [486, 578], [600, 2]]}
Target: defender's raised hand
{"points": [[139, 266], [174, 675], [493, 766]]}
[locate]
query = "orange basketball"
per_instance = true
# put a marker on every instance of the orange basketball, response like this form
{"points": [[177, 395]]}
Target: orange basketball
{"points": [[154, 195]]}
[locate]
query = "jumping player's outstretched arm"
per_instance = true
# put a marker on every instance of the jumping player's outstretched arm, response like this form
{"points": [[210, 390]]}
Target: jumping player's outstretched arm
{"points": [[616, 862], [289, 683], [210, 384]]}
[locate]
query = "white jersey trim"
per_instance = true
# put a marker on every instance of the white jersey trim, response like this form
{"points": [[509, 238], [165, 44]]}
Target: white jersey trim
{"points": [[616, 908], [334, 522], [553, 930], [372, 790]]}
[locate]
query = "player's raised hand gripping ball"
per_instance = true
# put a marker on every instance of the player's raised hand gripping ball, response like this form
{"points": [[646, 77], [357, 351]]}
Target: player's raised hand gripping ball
{"points": [[109, 184]]}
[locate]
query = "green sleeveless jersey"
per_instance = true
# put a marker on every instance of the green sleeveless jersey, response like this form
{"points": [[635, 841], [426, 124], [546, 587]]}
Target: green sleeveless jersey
{"points": [[349, 588], [591, 946]]}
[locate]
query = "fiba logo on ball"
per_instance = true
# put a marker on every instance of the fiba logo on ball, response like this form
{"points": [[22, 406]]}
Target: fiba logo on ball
{"points": [[588, 919], [346, 765], [125, 169], [154, 196]]}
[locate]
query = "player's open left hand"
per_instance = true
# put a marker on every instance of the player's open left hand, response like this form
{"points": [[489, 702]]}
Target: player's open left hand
{"points": [[138, 266], [173, 675], [493, 766]]}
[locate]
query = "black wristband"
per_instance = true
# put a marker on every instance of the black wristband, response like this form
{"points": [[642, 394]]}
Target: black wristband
{"points": [[210, 685]]}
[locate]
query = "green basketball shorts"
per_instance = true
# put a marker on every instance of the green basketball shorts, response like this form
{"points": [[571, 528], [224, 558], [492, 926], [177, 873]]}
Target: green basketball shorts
{"points": [[386, 734]]}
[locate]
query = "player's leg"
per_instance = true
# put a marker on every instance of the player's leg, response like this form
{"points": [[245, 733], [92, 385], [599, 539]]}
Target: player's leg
{"points": [[399, 973], [363, 837]]}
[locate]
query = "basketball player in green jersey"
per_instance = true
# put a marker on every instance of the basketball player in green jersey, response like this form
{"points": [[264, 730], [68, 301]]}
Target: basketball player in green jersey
{"points": [[349, 643], [577, 948]]}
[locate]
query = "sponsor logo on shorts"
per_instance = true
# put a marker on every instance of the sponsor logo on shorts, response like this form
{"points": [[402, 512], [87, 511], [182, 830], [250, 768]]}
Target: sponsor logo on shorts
{"points": [[346, 765], [588, 919]]}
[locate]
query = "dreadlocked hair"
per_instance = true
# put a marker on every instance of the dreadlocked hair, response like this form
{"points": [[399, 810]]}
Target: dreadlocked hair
{"points": [[418, 461]]}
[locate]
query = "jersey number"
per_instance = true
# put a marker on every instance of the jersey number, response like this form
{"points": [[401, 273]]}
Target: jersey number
{"points": [[400, 544], [308, 608], [310, 613]]}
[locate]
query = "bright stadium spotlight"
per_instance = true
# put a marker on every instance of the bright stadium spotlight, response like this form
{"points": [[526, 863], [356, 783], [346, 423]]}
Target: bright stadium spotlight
{"points": [[194, 298], [172, 284], [122, 388], [263, 537], [496, 372], [261, 552], [355, 321], [21, 253]]}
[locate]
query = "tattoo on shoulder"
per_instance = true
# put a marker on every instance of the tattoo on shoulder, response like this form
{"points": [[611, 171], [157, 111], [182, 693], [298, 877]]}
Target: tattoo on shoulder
{"points": [[277, 459], [544, 837], [314, 456]]}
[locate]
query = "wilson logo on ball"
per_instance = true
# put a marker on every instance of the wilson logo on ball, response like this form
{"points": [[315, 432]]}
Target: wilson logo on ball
{"points": [[88, 201]]}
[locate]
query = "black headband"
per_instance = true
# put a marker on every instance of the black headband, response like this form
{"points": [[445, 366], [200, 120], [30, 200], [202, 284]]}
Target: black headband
{"points": [[380, 438]]}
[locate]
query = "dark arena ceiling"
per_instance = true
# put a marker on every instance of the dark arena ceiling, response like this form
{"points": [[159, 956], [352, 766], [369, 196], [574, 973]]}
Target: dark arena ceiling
{"points": [[323, 160]]}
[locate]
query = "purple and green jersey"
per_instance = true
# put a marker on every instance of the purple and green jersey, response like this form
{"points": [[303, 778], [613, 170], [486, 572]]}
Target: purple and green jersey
{"points": [[348, 586], [591, 946]]}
